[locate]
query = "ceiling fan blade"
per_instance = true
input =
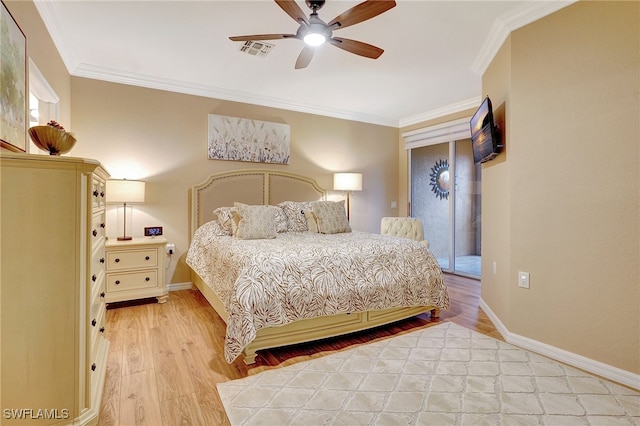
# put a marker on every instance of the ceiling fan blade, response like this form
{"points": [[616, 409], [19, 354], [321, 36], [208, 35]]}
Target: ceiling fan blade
{"points": [[305, 57], [357, 47], [292, 9], [361, 12], [261, 37]]}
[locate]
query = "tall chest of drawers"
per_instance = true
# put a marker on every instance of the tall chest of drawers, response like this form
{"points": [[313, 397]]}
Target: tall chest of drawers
{"points": [[52, 288]]}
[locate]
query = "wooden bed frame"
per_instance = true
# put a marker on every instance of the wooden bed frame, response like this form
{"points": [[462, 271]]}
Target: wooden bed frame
{"points": [[273, 187]]}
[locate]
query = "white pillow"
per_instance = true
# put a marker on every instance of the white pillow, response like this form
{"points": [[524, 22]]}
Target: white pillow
{"points": [[256, 222], [331, 217]]}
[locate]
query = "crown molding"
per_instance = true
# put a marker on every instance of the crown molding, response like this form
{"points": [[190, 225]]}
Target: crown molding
{"points": [[504, 25], [472, 103], [153, 82], [50, 15]]}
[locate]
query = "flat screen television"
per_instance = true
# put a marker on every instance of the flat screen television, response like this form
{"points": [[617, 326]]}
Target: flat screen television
{"points": [[485, 135]]}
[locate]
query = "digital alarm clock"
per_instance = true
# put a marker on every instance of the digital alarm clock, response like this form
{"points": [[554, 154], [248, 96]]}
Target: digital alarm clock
{"points": [[152, 231]]}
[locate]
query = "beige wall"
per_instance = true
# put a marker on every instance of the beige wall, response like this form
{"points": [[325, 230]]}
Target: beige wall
{"points": [[563, 203], [161, 137], [496, 196]]}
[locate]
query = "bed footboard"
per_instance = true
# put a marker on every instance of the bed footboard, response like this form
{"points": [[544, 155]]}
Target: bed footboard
{"points": [[308, 330]]}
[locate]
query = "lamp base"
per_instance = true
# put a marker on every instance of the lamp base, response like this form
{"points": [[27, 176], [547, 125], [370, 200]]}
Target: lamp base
{"points": [[125, 238]]}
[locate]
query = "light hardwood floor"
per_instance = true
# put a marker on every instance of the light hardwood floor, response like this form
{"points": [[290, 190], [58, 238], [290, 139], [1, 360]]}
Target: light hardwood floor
{"points": [[165, 359]]}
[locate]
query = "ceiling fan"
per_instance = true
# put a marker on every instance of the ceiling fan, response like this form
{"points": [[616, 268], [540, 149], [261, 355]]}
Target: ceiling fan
{"points": [[314, 32]]}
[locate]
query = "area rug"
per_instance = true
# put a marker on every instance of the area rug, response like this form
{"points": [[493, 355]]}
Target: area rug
{"points": [[441, 375]]}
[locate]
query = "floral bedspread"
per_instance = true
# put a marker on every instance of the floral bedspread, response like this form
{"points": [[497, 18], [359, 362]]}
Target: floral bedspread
{"points": [[299, 275]]}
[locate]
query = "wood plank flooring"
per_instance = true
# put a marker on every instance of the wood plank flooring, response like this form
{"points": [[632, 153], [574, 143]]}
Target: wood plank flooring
{"points": [[165, 359]]}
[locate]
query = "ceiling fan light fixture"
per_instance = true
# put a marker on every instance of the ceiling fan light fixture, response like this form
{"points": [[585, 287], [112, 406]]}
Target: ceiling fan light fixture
{"points": [[315, 32], [314, 39]]}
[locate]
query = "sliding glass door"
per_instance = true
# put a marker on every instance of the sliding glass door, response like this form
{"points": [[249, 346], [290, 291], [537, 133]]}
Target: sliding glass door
{"points": [[445, 194]]}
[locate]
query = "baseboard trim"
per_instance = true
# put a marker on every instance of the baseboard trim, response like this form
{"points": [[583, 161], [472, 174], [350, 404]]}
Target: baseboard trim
{"points": [[180, 286], [615, 374]]}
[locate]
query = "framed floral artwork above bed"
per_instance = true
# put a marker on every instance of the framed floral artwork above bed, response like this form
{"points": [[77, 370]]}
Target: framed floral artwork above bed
{"points": [[13, 80], [241, 139]]}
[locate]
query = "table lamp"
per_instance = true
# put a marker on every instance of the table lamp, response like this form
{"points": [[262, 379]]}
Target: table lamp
{"points": [[348, 182], [123, 191]]}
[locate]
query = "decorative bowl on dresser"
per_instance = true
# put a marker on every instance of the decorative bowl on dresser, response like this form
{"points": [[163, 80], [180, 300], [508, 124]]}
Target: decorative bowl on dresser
{"points": [[53, 352], [52, 138]]}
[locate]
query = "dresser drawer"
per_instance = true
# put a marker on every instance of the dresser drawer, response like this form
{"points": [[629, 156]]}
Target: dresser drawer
{"points": [[144, 258], [97, 228], [95, 333], [96, 327], [97, 298], [98, 260], [132, 280], [98, 195]]}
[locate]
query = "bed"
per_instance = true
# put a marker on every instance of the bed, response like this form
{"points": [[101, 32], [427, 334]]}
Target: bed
{"points": [[297, 286]]}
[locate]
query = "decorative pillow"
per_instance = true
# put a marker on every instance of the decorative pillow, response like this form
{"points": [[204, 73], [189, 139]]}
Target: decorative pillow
{"points": [[293, 210], [281, 220], [225, 218], [332, 217], [256, 222], [217, 229], [312, 220]]}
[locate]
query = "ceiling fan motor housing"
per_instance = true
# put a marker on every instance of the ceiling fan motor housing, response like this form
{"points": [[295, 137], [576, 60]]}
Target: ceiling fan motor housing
{"points": [[315, 4]]}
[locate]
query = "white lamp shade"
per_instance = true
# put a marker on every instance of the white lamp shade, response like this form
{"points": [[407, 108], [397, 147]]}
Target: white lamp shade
{"points": [[347, 181], [125, 191]]}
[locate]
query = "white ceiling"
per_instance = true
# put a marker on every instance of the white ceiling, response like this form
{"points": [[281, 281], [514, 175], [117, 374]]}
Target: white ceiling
{"points": [[435, 52]]}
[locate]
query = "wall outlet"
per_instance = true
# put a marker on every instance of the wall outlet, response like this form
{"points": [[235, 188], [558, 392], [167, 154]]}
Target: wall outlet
{"points": [[171, 248], [495, 267], [523, 279]]}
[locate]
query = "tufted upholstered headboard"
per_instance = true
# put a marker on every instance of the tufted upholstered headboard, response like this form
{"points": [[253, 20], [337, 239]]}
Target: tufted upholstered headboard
{"points": [[249, 187]]}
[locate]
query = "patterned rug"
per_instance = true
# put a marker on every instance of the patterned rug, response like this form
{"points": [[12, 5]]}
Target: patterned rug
{"points": [[441, 375]]}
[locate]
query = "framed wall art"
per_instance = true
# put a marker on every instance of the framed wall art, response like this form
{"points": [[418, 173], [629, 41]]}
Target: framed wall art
{"points": [[240, 139], [13, 80]]}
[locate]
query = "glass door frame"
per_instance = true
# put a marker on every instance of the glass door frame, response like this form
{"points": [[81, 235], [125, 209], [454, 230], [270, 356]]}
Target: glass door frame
{"points": [[450, 133]]}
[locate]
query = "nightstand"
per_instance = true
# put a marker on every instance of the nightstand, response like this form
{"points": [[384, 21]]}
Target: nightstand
{"points": [[135, 269]]}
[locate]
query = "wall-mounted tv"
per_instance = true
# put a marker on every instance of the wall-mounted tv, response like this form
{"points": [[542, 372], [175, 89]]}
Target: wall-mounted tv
{"points": [[485, 135]]}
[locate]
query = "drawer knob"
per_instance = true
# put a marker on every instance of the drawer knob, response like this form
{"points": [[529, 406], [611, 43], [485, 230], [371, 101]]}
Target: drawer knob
{"points": [[102, 194], [94, 278], [147, 279], [93, 367], [102, 294], [94, 322], [94, 233], [117, 260], [101, 329], [95, 193], [101, 260], [117, 282], [146, 258], [102, 225]]}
